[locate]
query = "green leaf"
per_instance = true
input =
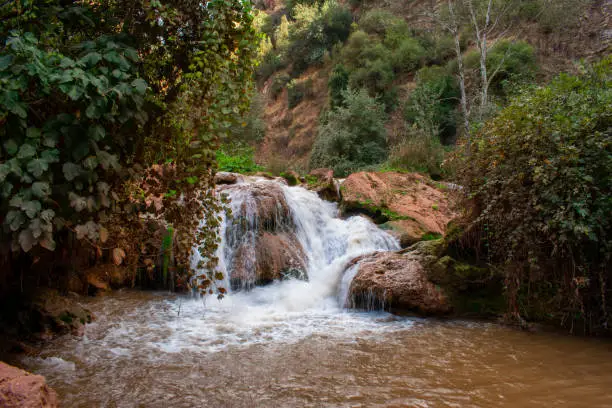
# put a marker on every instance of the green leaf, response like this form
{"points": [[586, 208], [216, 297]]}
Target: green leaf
{"points": [[26, 151], [47, 215], [96, 132], [11, 147], [37, 167], [26, 240], [75, 92], [31, 208], [71, 171], [50, 156], [33, 133], [5, 62], [66, 63], [50, 139], [108, 161], [140, 85], [6, 190], [91, 59], [14, 219], [41, 189], [90, 163], [5, 170]]}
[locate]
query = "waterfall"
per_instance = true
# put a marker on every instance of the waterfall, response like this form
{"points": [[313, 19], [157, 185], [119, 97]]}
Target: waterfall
{"points": [[293, 241]]}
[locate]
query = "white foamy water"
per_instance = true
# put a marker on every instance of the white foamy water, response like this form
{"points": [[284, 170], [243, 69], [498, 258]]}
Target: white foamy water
{"points": [[328, 242]]}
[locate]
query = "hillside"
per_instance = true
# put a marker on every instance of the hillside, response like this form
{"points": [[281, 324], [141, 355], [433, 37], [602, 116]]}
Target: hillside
{"points": [[295, 89]]}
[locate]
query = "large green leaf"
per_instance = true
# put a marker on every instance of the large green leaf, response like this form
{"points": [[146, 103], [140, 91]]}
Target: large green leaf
{"points": [[26, 151]]}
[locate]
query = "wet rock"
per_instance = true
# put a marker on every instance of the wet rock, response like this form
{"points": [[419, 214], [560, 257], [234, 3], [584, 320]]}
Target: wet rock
{"points": [[104, 277], [20, 389], [48, 314], [262, 207], [266, 258], [224, 177], [322, 182], [411, 205], [397, 282]]}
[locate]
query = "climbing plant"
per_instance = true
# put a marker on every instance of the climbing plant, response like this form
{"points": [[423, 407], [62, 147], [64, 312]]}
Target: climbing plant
{"points": [[113, 109]]}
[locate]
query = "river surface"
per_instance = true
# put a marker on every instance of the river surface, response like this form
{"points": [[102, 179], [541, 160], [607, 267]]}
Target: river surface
{"points": [[158, 350], [294, 344]]}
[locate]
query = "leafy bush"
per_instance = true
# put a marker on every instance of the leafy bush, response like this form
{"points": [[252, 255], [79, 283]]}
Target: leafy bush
{"points": [[316, 30], [408, 55], [418, 151], [432, 104], [539, 179], [237, 158], [279, 83], [101, 124], [353, 136], [508, 63], [337, 84]]}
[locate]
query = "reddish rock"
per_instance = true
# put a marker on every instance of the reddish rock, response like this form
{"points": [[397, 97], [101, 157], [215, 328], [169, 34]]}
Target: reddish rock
{"points": [[412, 204], [20, 389], [322, 182], [273, 256], [224, 177], [398, 282]]}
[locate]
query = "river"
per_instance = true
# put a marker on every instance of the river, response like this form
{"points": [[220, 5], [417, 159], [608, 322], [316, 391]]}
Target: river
{"points": [[294, 344]]}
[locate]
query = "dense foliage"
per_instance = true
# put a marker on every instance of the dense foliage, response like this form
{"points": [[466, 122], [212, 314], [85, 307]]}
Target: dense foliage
{"points": [[540, 181], [353, 136], [114, 108]]}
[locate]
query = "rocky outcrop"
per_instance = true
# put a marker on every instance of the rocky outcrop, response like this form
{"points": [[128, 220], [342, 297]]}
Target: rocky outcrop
{"points": [[410, 206], [224, 177], [426, 280], [260, 241], [322, 182], [395, 281], [272, 256], [20, 389]]}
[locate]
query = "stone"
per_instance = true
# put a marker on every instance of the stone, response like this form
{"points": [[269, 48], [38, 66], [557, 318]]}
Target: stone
{"points": [[397, 282], [409, 205], [20, 389], [323, 183], [224, 177]]}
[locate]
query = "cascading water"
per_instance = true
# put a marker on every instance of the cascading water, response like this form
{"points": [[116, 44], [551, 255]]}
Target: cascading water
{"points": [[290, 343], [291, 232]]}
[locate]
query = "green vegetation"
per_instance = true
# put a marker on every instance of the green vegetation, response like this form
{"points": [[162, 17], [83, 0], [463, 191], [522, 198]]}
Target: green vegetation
{"points": [[539, 178], [100, 123], [237, 159], [353, 136]]}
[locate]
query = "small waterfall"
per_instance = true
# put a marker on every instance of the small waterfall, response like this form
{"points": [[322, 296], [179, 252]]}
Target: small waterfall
{"points": [[291, 238]]}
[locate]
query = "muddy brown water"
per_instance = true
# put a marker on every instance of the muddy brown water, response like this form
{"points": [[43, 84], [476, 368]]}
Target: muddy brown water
{"points": [[156, 350]]}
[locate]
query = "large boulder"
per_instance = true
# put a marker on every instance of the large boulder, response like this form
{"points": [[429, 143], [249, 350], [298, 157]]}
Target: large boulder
{"points": [[257, 206], [323, 183], [272, 256], [260, 241], [397, 282], [20, 389], [225, 177], [410, 205]]}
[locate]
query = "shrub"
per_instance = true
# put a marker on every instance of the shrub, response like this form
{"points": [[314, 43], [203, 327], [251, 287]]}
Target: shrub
{"points": [[353, 136], [337, 84], [508, 63], [237, 158], [316, 30], [408, 55], [279, 83], [432, 104], [297, 91], [418, 151], [539, 178]]}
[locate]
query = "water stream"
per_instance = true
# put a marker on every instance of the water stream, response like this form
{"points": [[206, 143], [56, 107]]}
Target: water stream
{"points": [[293, 344]]}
